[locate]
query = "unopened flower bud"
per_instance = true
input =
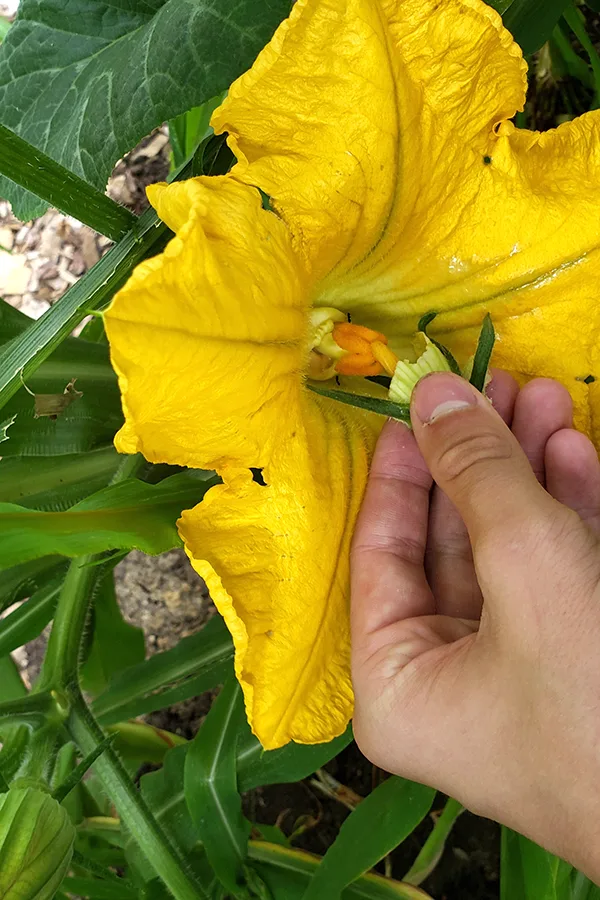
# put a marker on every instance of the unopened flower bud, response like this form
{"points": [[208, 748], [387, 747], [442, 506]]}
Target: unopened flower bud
{"points": [[407, 374], [36, 844]]}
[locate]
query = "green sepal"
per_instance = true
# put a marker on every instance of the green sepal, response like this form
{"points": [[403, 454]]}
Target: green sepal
{"points": [[377, 405], [424, 322], [481, 360]]}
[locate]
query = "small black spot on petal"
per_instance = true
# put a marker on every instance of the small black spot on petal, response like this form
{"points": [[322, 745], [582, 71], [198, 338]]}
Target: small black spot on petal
{"points": [[487, 160], [257, 477]]}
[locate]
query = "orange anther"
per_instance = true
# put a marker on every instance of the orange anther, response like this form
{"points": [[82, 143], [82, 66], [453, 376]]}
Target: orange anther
{"points": [[357, 340], [354, 364]]}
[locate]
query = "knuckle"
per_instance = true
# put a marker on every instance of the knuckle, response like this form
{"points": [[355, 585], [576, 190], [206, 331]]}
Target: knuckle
{"points": [[465, 453]]}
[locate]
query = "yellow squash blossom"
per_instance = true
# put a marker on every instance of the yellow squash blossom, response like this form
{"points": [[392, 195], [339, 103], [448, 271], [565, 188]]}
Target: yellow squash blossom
{"points": [[380, 131]]}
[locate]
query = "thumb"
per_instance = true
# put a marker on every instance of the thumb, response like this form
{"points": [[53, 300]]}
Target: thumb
{"points": [[476, 460]]}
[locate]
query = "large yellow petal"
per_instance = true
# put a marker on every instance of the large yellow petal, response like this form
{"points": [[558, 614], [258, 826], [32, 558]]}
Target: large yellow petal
{"points": [[526, 249], [359, 114], [276, 561], [422, 196], [209, 338]]}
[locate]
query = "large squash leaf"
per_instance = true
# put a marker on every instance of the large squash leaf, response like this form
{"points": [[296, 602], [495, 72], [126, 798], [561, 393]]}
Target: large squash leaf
{"points": [[84, 80]]}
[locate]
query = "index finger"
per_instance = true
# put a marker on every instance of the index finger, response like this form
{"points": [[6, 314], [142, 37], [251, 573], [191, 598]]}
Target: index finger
{"points": [[388, 580]]}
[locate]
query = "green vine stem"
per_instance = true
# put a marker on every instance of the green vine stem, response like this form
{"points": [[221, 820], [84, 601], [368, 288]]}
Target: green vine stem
{"points": [[131, 806], [60, 674], [433, 847], [62, 656]]}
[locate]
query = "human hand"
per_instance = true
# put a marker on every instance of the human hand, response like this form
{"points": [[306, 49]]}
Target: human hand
{"points": [[477, 671]]}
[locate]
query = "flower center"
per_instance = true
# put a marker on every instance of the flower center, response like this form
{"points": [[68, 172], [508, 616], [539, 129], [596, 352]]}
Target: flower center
{"points": [[340, 347]]}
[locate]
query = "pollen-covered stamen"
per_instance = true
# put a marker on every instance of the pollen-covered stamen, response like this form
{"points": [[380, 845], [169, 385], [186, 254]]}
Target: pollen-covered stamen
{"points": [[340, 347], [385, 357], [367, 352]]}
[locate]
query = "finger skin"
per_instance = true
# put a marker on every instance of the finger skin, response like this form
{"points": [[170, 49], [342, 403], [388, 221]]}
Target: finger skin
{"points": [[500, 712], [449, 558], [475, 459], [573, 474], [387, 574], [542, 408]]}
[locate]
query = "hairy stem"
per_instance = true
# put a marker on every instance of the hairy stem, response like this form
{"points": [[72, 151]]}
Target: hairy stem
{"points": [[131, 806]]}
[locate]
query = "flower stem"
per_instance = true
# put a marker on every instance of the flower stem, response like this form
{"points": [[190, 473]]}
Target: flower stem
{"points": [[433, 847], [131, 806]]}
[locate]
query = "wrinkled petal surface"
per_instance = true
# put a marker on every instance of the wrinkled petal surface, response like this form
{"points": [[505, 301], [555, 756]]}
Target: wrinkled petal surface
{"points": [[360, 112], [208, 339], [276, 561], [379, 130], [407, 191]]}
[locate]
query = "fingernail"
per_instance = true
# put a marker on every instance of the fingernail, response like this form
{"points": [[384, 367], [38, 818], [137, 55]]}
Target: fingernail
{"points": [[439, 395]]}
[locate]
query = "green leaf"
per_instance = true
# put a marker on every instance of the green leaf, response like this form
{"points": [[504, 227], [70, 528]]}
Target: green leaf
{"points": [[530, 21], [94, 78], [593, 4], [128, 515], [378, 824], [98, 890], [163, 792], [582, 888], [23, 580], [481, 360], [23, 355], [203, 660], [210, 785], [422, 325], [89, 422], [293, 762], [110, 630], [29, 167], [287, 873], [373, 404], [500, 5], [75, 777], [531, 873], [29, 620], [576, 22], [188, 130], [12, 683], [433, 848], [56, 482]]}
